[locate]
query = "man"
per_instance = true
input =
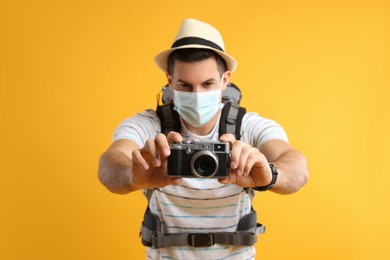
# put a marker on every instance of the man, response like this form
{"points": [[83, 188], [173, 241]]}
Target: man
{"points": [[198, 70]]}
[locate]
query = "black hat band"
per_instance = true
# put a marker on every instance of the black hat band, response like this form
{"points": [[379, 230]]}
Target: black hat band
{"points": [[196, 40]]}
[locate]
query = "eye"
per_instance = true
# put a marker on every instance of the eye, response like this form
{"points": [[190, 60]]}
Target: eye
{"points": [[184, 86], [209, 84]]}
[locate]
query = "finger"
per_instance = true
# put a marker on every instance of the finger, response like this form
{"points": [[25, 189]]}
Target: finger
{"points": [[227, 138], [174, 137], [224, 181], [162, 146], [245, 153], [231, 179], [150, 147], [235, 154], [172, 181], [139, 160], [253, 157]]}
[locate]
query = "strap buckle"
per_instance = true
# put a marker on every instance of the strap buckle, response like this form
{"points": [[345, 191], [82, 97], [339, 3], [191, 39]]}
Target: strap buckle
{"points": [[201, 239]]}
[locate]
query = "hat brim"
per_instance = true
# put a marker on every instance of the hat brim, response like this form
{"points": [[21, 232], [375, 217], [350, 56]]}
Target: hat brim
{"points": [[161, 59]]}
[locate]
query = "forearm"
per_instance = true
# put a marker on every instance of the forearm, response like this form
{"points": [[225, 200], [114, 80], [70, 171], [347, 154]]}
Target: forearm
{"points": [[115, 172], [293, 172]]}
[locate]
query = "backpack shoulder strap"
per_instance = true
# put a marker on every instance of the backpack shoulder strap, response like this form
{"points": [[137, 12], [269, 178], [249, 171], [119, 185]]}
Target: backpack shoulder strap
{"points": [[231, 119], [169, 118]]}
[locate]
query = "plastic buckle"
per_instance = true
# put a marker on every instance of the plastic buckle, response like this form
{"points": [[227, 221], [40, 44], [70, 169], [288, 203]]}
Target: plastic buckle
{"points": [[201, 239], [154, 242]]}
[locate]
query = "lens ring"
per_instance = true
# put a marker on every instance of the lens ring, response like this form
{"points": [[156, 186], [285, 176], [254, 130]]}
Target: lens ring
{"points": [[200, 154]]}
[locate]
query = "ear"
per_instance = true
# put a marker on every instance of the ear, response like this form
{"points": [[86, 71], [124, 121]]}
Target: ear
{"points": [[226, 79]]}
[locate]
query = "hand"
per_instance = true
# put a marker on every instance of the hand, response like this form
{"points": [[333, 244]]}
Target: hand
{"points": [[248, 166], [149, 168]]}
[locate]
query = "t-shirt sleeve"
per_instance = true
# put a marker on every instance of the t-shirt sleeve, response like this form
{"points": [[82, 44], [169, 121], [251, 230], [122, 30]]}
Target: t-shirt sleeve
{"points": [[139, 128], [256, 130]]}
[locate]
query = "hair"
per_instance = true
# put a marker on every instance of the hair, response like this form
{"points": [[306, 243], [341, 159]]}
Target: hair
{"points": [[194, 55]]}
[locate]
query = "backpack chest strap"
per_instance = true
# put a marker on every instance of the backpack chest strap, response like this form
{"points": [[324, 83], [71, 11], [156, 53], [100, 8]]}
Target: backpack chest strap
{"points": [[153, 235], [238, 238]]}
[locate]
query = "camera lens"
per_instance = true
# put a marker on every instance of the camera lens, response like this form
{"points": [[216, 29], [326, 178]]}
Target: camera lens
{"points": [[204, 164]]}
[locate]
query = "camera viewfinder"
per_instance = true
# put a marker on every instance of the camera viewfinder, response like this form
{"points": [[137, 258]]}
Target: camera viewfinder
{"points": [[219, 147]]}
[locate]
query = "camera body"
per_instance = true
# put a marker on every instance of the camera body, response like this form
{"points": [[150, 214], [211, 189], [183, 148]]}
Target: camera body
{"points": [[194, 159]]}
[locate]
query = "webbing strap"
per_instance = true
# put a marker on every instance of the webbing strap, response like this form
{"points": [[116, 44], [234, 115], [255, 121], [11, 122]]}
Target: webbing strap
{"points": [[231, 119], [169, 118], [169, 122], [238, 238], [149, 193]]}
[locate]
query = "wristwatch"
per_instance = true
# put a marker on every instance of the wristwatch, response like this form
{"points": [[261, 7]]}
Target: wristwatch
{"points": [[275, 173]]}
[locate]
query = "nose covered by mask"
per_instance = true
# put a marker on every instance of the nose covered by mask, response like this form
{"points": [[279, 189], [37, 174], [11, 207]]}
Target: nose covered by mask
{"points": [[197, 108]]}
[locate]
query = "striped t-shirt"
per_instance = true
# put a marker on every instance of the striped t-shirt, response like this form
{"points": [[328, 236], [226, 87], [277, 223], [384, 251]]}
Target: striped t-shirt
{"points": [[200, 205]]}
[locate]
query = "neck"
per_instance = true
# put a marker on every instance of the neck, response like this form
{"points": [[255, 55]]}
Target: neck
{"points": [[206, 128]]}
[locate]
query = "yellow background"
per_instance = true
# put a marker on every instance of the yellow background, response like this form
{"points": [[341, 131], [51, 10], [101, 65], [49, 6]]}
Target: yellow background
{"points": [[71, 71]]}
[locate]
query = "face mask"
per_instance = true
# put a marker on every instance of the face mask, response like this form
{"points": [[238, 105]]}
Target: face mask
{"points": [[197, 108]]}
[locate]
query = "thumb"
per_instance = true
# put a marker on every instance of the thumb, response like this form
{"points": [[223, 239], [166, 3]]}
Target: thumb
{"points": [[172, 181], [227, 138]]}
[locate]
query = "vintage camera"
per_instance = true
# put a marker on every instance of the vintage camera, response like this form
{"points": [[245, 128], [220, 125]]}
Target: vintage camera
{"points": [[192, 159]]}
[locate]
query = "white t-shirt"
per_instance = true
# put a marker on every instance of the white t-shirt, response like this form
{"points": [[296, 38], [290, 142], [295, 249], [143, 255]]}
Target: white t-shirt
{"points": [[200, 205]]}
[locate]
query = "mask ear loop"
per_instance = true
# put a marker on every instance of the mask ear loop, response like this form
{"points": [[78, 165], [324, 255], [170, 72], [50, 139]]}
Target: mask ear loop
{"points": [[223, 74], [220, 87]]}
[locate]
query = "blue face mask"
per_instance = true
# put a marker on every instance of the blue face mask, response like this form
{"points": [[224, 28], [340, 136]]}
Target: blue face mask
{"points": [[197, 108]]}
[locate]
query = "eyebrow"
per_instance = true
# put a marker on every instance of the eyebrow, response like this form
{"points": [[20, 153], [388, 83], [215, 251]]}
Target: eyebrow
{"points": [[185, 82]]}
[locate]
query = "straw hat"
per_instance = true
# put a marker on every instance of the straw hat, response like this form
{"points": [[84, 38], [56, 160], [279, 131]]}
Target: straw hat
{"points": [[196, 34]]}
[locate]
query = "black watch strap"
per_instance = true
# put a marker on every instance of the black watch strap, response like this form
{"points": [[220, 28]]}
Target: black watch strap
{"points": [[275, 173]]}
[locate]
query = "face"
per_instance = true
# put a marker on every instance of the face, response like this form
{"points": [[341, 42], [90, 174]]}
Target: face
{"points": [[197, 76]]}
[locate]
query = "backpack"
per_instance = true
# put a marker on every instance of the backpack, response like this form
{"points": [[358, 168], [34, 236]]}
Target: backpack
{"points": [[248, 229], [231, 115]]}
